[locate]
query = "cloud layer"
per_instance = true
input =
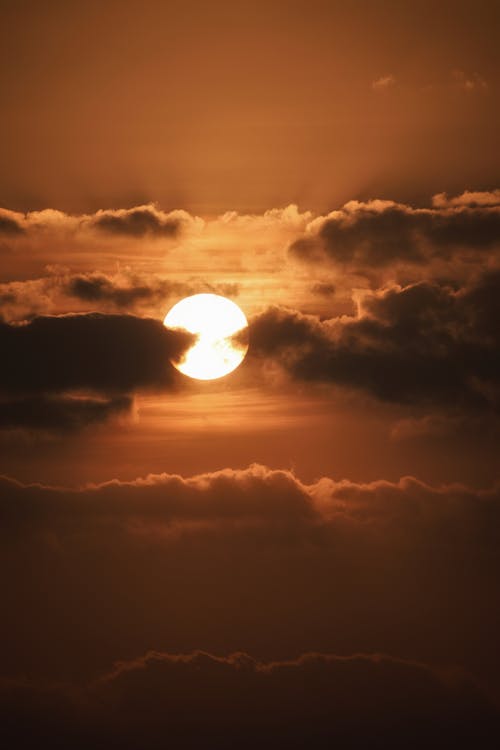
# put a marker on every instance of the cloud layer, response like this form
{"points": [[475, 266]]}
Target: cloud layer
{"points": [[65, 414], [199, 699], [126, 291], [420, 288], [102, 353], [248, 559], [375, 234], [424, 343], [137, 222], [107, 355], [257, 560]]}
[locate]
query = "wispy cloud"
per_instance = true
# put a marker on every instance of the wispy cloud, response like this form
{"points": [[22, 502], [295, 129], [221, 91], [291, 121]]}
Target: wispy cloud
{"points": [[469, 82], [384, 82]]}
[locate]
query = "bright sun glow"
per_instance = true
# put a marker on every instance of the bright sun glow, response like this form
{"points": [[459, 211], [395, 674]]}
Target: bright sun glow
{"points": [[215, 320]]}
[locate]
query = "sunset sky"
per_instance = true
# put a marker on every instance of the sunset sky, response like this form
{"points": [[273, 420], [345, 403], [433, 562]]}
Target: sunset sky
{"points": [[305, 551]]}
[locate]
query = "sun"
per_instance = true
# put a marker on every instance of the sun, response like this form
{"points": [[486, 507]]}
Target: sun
{"points": [[222, 335]]}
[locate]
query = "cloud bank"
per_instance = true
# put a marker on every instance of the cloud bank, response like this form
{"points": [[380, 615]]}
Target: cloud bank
{"points": [[381, 297], [375, 234], [424, 343], [199, 699], [109, 356], [233, 559], [101, 353], [239, 557]]}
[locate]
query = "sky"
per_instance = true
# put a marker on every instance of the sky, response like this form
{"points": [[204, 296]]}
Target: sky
{"points": [[305, 551]]}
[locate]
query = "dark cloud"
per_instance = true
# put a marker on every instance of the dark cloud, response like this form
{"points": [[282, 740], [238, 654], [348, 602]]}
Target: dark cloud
{"points": [[377, 234], [476, 228], [60, 414], [102, 353], [99, 292], [51, 226], [323, 288], [421, 343], [9, 226], [376, 238], [101, 288], [248, 559], [201, 700], [264, 496], [7, 298], [138, 222]]}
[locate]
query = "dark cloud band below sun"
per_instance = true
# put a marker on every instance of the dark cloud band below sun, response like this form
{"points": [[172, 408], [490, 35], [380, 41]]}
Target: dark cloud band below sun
{"points": [[201, 700], [250, 553]]}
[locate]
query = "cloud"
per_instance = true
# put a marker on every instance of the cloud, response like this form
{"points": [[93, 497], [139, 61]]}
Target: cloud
{"points": [[148, 221], [469, 82], [255, 498], [462, 81], [251, 496], [323, 288], [469, 198], [383, 83], [9, 224], [362, 243], [138, 222], [105, 354], [199, 699], [376, 234], [423, 343], [249, 559], [425, 427], [62, 291], [430, 426], [99, 288], [60, 414]]}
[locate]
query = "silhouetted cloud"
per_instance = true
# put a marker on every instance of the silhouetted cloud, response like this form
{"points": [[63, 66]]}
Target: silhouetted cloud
{"points": [[99, 292], [201, 700], [377, 233], [419, 343], [323, 288], [137, 222], [101, 288], [101, 353], [9, 224], [255, 497], [376, 240], [60, 413], [399, 566]]}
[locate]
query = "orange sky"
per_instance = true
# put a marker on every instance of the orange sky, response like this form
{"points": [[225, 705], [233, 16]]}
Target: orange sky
{"points": [[239, 105], [303, 553]]}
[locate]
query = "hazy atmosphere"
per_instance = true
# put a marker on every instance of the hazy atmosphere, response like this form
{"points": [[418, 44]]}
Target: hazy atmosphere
{"points": [[304, 551]]}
